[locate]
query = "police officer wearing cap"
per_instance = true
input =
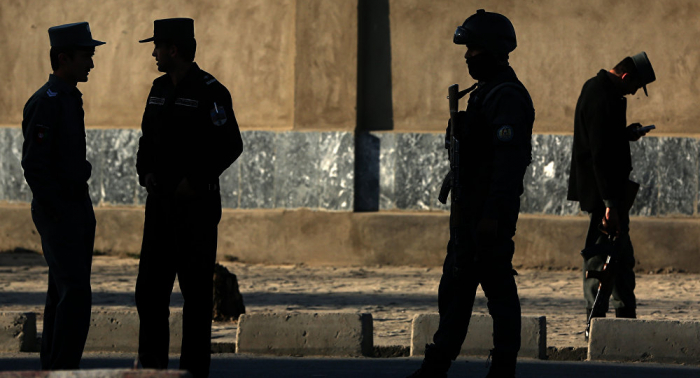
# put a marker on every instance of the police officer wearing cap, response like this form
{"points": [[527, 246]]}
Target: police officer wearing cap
{"points": [[190, 136], [56, 169], [600, 168], [495, 149]]}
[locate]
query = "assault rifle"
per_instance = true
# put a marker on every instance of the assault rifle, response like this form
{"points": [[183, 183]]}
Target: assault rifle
{"points": [[451, 182], [606, 277]]}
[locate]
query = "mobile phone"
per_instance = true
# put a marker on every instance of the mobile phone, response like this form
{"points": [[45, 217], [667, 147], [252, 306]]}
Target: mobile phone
{"points": [[646, 128]]}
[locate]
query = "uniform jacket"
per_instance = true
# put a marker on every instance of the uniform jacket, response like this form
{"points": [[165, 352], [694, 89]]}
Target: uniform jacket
{"points": [[54, 150], [495, 146], [189, 131], [600, 160]]}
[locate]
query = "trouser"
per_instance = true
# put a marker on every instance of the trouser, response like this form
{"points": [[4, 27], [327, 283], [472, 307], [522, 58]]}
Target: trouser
{"points": [[179, 239], [624, 300], [67, 230], [477, 263]]}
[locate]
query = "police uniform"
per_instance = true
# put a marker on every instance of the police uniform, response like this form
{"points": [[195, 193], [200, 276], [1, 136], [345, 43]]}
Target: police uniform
{"points": [[600, 168], [494, 136], [189, 131], [56, 169]]}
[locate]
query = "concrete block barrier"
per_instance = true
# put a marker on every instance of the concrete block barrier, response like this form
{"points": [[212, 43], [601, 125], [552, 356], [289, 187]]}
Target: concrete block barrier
{"points": [[17, 331], [644, 340], [97, 373], [479, 339], [118, 331], [331, 334]]}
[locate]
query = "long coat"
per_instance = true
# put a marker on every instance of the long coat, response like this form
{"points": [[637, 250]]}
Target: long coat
{"points": [[600, 160]]}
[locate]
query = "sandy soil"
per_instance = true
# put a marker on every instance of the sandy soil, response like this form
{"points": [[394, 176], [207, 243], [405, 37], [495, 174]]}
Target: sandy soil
{"points": [[393, 295]]}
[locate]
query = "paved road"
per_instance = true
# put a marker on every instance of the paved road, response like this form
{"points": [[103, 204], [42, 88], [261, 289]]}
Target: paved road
{"points": [[230, 365]]}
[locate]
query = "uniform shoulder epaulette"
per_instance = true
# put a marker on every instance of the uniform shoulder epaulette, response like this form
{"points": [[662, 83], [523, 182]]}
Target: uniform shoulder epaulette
{"points": [[47, 91], [506, 88], [46, 97], [208, 79]]}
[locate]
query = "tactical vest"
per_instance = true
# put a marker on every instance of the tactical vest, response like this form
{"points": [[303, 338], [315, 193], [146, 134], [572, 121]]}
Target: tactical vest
{"points": [[477, 144]]}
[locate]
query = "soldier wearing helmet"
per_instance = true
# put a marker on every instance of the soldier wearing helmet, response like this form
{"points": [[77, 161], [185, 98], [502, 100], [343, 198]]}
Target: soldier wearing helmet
{"points": [[494, 135]]}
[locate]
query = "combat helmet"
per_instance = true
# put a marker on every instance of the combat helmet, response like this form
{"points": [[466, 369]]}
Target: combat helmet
{"points": [[491, 31]]}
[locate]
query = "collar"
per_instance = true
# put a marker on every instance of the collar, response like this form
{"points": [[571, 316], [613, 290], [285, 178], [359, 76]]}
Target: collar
{"points": [[503, 75], [190, 75], [608, 84], [60, 85]]}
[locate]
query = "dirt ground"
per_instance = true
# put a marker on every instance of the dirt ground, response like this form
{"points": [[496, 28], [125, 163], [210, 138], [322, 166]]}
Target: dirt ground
{"points": [[393, 295]]}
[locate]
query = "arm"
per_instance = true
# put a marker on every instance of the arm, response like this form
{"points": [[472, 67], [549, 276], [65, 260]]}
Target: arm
{"points": [[223, 140], [145, 157], [39, 126], [511, 118]]}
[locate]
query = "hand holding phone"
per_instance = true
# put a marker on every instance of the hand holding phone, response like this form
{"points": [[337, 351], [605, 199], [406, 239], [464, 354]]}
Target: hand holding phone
{"points": [[635, 131]]}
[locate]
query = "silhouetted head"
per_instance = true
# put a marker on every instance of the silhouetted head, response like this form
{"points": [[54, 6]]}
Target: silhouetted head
{"points": [[634, 72], [489, 38], [72, 49], [174, 42]]}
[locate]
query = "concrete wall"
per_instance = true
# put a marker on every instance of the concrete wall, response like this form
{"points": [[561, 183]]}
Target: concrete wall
{"points": [[291, 64], [381, 238], [324, 170], [325, 64], [560, 45], [282, 72]]}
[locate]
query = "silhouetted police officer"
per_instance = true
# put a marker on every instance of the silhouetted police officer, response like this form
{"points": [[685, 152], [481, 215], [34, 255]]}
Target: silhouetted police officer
{"points": [[55, 167], [600, 168], [190, 136], [495, 149]]}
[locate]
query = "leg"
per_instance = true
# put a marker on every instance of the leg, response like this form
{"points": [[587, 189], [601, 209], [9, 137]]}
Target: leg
{"points": [[49, 320], [503, 302], [197, 256], [42, 224], [457, 286], [69, 299], [590, 285], [455, 298], [595, 262], [497, 279], [624, 300], [154, 286], [455, 302]]}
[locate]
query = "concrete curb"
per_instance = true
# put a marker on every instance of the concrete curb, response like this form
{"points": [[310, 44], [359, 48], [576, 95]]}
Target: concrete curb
{"points": [[326, 334], [118, 331], [479, 339], [17, 331], [100, 373], [662, 341]]}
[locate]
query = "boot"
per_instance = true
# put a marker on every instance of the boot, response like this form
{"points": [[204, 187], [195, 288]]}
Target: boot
{"points": [[626, 313], [435, 364], [502, 364]]}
